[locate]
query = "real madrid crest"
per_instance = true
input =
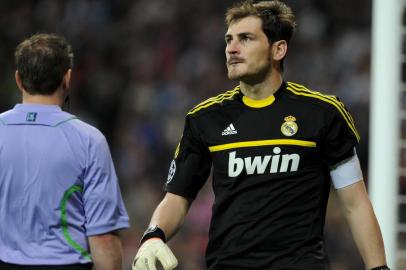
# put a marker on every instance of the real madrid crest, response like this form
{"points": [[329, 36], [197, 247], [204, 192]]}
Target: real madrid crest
{"points": [[289, 128]]}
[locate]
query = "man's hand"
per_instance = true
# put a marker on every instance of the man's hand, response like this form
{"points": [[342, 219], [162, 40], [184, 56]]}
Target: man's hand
{"points": [[150, 251]]}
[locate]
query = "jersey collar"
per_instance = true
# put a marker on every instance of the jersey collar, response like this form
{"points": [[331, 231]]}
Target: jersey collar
{"points": [[254, 103], [25, 107]]}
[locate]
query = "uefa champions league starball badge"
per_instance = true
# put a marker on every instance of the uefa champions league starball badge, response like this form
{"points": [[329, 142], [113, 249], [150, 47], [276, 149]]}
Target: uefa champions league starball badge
{"points": [[289, 128], [172, 170]]}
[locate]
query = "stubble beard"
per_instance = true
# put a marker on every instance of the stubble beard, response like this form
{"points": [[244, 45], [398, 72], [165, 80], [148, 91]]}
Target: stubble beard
{"points": [[237, 73], [234, 75], [249, 78]]}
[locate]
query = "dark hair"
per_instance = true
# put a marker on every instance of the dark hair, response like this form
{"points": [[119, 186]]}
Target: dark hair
{"points": [[278, 20], [42, 60]]}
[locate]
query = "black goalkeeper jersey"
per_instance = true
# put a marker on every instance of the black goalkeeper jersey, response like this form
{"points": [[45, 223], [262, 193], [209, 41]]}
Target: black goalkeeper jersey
{"points": [[271, 161]]}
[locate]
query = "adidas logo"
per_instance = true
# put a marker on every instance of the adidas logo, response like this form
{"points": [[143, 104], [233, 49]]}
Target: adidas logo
{"points": [[230, 130]]}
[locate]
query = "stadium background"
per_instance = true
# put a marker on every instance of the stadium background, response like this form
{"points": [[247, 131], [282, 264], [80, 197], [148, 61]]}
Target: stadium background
{"points": [[141, 65]]}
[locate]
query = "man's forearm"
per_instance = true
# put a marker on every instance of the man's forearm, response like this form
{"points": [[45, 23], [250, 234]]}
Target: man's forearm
{"points": [[106, 251], [363, 224], [367, 236], [170, 214]]}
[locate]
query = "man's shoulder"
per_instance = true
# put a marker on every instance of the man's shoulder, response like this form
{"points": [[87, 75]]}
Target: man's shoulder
{"points": [[53, 118], [3, 115], [35, 115], [85, 129], [214, 103], [316, 98], [330, 106]]}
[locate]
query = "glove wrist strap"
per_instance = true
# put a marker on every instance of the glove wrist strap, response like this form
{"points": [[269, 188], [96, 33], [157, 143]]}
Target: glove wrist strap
{"points": [[383, 267], [153, 232]]}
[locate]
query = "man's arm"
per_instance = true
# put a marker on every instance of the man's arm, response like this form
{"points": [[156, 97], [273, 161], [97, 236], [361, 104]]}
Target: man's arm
{"points": [[168, 216], [106, 251], [363, 223]]}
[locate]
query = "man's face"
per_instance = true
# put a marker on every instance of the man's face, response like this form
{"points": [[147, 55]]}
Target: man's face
{"points": [[248, 51]]}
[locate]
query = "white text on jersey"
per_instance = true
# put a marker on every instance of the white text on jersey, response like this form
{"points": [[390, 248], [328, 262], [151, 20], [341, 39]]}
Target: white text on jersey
{"points": [[259, 164]]}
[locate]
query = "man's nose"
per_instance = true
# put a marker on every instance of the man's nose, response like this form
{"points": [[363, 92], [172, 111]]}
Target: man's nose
{"points": [[233, 47]]}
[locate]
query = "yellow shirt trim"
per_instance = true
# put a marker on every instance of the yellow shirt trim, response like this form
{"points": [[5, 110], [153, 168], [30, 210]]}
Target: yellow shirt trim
{"points": [[227, 146], [329, 99], [218, 99], [258, 103]]}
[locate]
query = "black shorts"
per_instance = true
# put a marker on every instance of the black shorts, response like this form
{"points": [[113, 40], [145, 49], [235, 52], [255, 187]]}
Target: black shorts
{"points": [[10, 266]]}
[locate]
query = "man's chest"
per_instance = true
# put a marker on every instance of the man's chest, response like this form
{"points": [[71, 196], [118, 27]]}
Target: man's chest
{"points": [[263, 141]]}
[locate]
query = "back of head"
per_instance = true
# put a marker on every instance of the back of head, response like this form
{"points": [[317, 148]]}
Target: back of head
{"points": [[278, 20], [42, 60]]}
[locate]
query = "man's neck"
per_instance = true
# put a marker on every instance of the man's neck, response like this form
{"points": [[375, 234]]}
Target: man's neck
{"points": [[54, 99], [263, 89]]}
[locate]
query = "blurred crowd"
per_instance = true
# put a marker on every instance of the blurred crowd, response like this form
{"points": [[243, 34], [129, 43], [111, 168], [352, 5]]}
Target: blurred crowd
{"points": [[140, 65]]}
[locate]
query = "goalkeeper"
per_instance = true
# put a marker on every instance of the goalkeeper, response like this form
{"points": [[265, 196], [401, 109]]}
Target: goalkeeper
{"points": [[275, 147]]}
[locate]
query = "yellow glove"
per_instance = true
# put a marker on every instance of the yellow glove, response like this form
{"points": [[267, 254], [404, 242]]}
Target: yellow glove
{"points": [[151, 250]]}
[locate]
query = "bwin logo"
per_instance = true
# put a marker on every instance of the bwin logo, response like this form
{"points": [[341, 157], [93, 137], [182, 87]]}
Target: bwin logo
{"points": [[258, 164]]}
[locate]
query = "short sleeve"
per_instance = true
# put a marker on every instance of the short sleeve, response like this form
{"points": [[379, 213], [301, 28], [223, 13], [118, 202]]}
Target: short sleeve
{"points": [[191, 165], [103, 204], [339, 137]]}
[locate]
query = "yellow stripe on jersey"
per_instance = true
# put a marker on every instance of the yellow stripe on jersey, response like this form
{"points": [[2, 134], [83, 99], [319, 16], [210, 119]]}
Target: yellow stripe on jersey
{"points": [[302, 88], [227, 146], [177, 151], [329, 99], [217, 99]]}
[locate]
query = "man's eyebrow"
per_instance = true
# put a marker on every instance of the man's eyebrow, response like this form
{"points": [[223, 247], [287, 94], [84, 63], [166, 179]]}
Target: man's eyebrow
{"points": [[243, 34]]}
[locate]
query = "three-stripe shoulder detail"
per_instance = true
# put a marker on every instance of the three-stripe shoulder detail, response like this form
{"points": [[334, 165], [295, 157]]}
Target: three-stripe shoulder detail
{"points": [[301, 90], [215, 100]]}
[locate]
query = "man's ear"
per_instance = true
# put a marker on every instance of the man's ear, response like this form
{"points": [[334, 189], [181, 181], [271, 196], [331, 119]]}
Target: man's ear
{"points": [[66, 79], [279, 50], [19, 81]]}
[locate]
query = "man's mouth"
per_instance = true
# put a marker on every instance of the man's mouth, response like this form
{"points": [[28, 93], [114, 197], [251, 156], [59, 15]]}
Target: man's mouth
{"points": [[234, 62]]}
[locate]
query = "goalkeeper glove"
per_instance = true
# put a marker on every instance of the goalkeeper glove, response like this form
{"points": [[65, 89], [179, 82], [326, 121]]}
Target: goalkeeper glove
{"points": [[154, 248]]}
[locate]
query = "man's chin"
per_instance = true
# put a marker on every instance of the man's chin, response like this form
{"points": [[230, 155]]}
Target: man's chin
{"points": [[234, 76]]}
